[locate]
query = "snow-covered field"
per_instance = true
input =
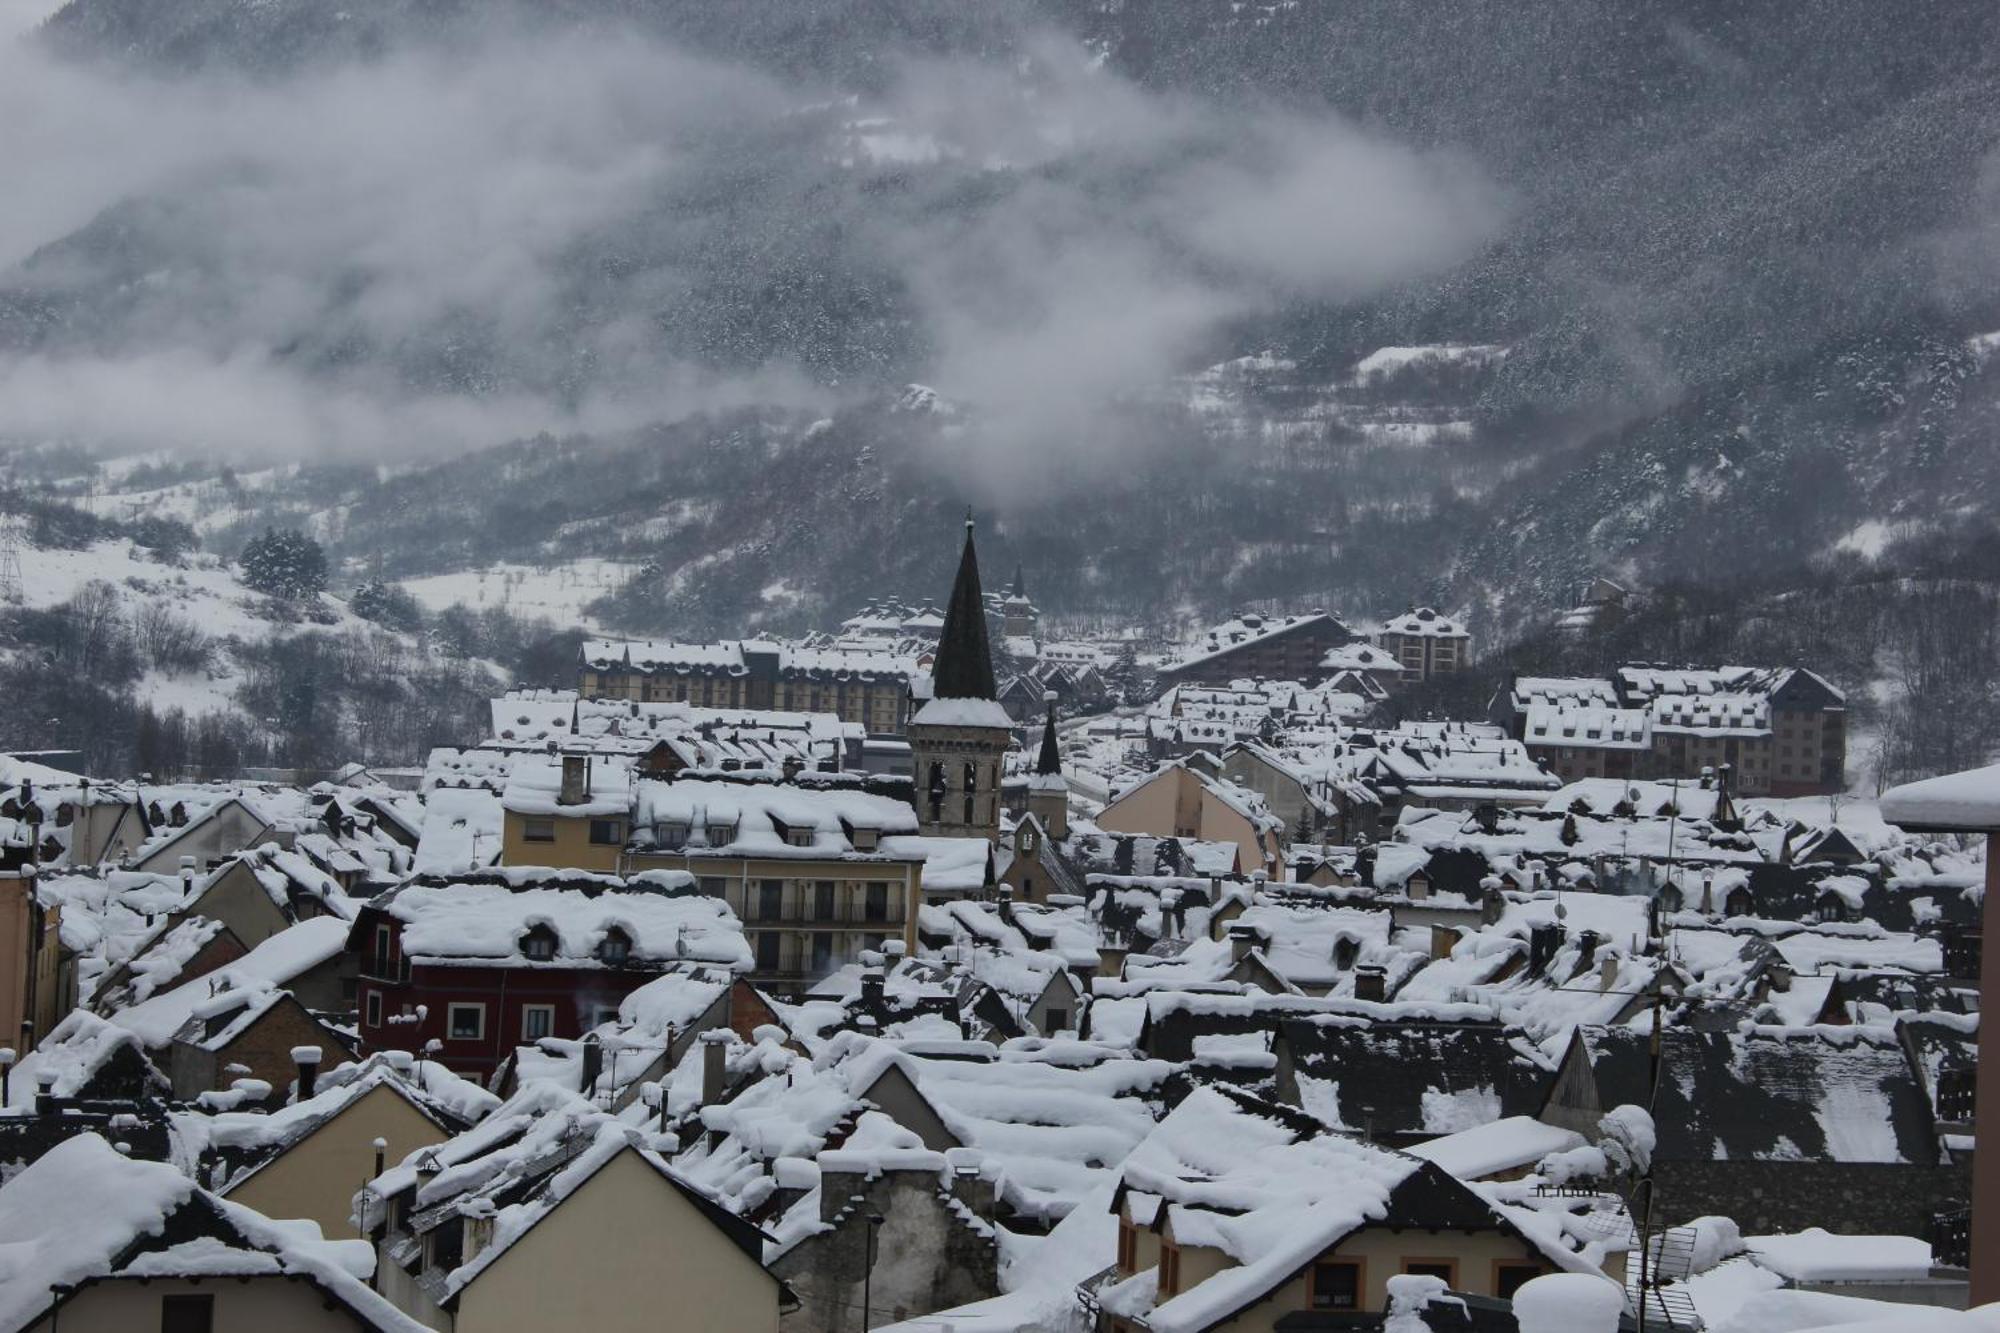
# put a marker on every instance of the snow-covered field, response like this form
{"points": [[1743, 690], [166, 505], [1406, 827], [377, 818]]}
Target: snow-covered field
{"points": [[557, 593]]}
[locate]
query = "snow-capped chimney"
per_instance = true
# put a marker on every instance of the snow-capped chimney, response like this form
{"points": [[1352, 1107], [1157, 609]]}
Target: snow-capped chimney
{"points": [[307, 1059], [1371, 983], [873, 984], [575, 780], [45, 1092], [1242, 939], [714, 1067]]}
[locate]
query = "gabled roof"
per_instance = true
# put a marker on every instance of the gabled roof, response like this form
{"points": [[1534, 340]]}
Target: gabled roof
{"points": [[85, 1213]]}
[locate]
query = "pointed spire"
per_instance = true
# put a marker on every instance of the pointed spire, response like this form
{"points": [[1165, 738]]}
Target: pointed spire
{"points": [[1020, 588], [1050, 760], [963, 668]]}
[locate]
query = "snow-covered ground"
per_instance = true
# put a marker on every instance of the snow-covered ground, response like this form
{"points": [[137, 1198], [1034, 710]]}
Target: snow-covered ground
{"points": [[557, 593]]}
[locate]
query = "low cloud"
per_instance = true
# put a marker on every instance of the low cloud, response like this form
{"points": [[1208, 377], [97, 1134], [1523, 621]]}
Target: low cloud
{"points": [[423, 254]]}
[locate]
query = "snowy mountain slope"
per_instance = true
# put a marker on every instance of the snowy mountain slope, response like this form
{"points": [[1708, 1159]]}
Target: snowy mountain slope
{"points": [[1742, 284]]}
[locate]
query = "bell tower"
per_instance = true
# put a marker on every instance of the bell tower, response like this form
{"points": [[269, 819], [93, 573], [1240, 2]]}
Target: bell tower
{"points": [[958, 737]]}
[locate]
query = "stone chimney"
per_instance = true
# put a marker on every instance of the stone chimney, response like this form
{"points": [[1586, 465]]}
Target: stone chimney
{"points": [[45, 1092], [969, 1184], [1111, 960], [714, 1066], [873, 985], [1242, 939], [307, 1059], [1371, 983], [575, 780]]}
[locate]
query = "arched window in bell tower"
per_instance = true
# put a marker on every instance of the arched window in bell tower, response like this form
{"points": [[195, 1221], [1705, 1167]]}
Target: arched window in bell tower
{"points": [[937, 791]]}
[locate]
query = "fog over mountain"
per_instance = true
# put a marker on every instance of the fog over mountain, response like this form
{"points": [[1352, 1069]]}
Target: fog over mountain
{"points": [[1701, 288]]}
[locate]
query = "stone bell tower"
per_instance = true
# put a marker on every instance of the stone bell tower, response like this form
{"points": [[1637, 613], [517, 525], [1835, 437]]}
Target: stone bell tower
{"points": [[958, 737]]}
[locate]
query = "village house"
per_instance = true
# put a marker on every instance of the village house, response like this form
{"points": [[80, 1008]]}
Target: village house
{"points": [[1426, 644], [572, 811], [1239, 1214], [245, 1032], [98, 1242], [1254, 645], [867, 687], [202, 838], [532, 1221], [305, 1160], [816, 875], [477, 964], [1177, 800]]}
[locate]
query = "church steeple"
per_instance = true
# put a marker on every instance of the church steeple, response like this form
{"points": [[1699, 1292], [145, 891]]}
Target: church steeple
{"points": [[1050, 760], [1020, 588], [1048, 794], [963, 668]]}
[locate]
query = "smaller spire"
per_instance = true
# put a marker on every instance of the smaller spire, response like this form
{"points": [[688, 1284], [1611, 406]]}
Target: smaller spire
{"points": [[1050, 760]]}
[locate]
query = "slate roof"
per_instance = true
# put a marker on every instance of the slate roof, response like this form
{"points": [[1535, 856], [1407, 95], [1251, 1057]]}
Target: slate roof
{"points": [[1398, 1080], [963, 668], [1771, 1094]]}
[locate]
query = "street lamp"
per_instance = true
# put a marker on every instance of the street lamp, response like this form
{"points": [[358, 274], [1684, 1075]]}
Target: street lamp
{"points": [[868, 1273]]}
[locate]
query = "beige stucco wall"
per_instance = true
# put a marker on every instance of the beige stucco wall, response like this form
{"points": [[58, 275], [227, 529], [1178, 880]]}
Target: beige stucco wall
{"points": [[318, 1176], [571, 850], [238, 901], [1166, 805], [1221, 824], [626, 1253], [260, 1305]]}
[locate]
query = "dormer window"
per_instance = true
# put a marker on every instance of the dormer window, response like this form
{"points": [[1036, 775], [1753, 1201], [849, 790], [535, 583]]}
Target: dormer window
{"points": [[539, 944], [720, 834], [865, 838], [673, 835], [800, 837], [616, 948]]}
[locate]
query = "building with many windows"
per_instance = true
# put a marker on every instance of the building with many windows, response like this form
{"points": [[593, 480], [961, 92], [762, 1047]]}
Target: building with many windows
{"points": [[866, 686], [1426, 643], [1781, 731]]}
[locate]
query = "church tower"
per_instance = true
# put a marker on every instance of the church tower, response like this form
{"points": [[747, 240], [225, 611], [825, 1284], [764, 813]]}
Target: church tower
{"points": [[958, 737], [1048, 794]]}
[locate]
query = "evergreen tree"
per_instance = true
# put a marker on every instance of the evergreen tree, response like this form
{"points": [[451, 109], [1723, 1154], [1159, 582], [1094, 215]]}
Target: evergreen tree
{"points": [[387, 604], [286, 564]]}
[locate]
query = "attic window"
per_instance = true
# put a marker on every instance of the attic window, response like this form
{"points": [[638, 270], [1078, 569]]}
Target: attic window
{"points": [[800, 837], [721, 834], [616, 948], [539, 944]]}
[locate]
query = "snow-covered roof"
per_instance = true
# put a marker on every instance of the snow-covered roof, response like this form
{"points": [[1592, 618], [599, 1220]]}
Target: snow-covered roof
{"points": [[653, 656], [484, 918], [1425, 623], [1245, 630], [963, 713], [272, 964], [1967, 802], [535, 784], [716, 818], [85, 1212]]}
